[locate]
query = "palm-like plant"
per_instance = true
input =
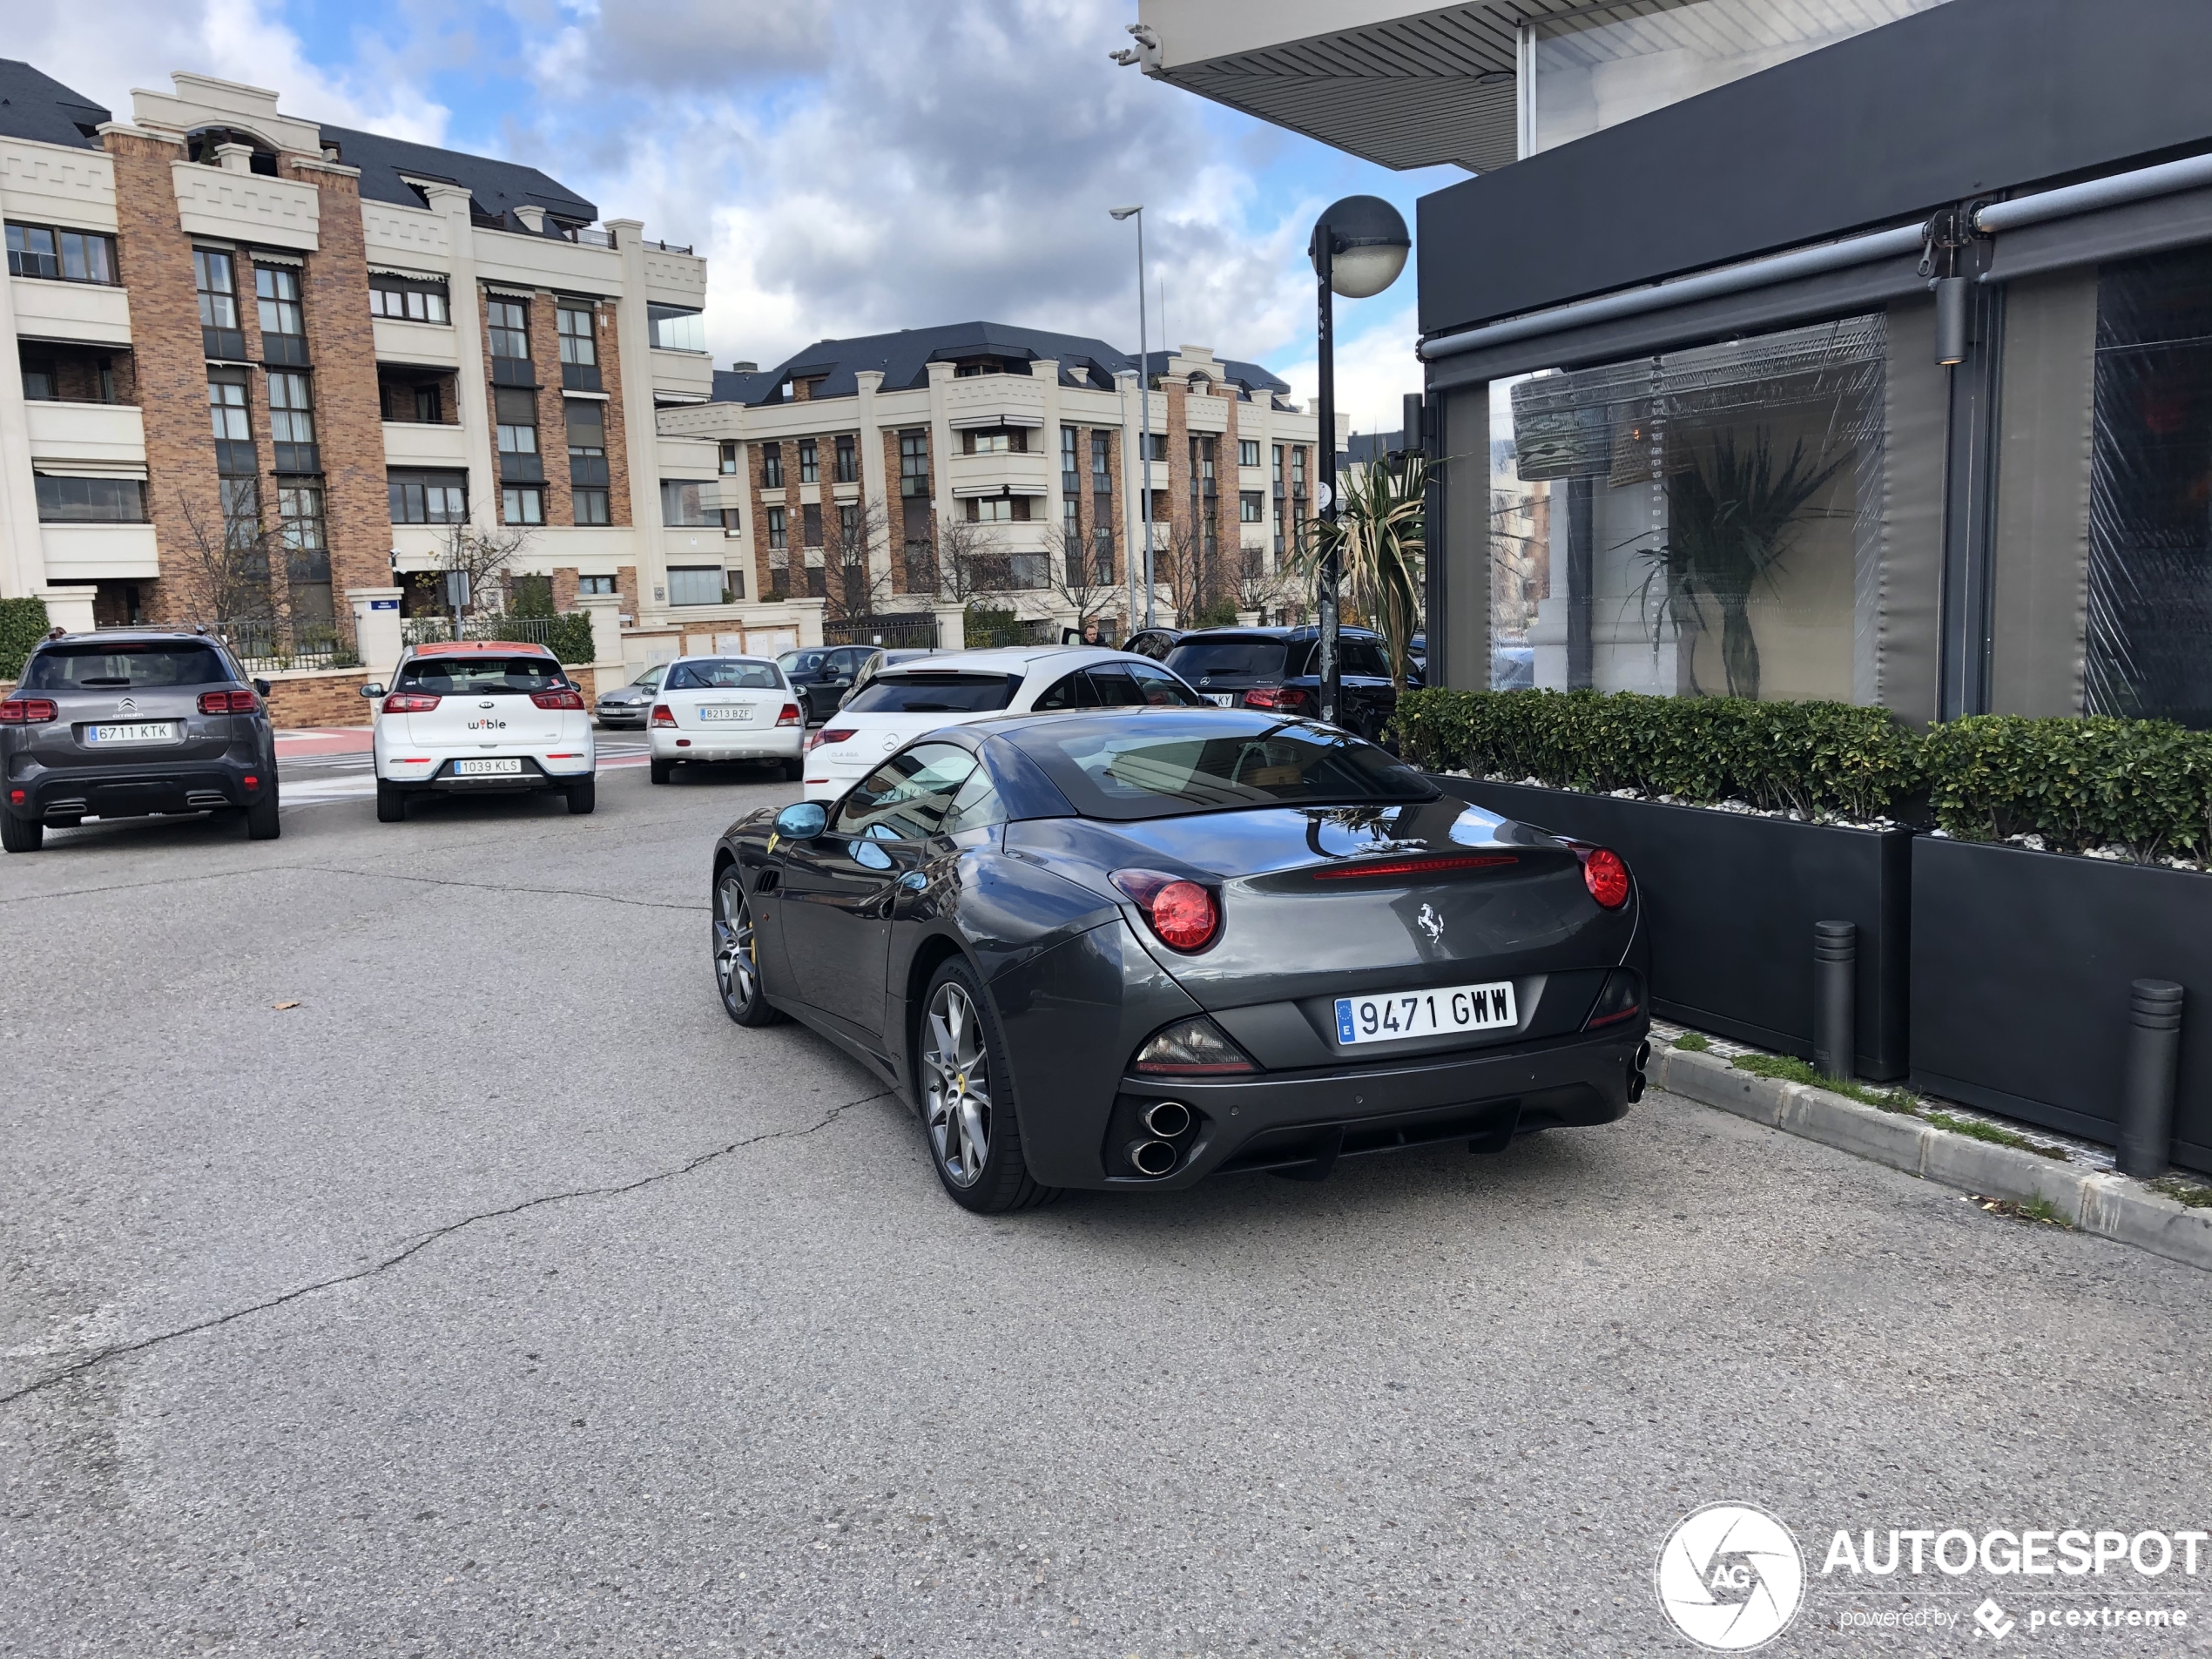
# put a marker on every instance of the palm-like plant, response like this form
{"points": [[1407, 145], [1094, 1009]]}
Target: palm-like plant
{"points": [[1379, 539], [1729, 522]]}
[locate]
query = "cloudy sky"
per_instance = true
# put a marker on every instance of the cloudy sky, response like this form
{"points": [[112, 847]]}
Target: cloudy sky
{"points": [[848, 166]]}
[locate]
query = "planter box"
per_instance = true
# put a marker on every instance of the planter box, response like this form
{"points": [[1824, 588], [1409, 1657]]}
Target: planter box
{"points": [[2021, 963], [1729, 903]]}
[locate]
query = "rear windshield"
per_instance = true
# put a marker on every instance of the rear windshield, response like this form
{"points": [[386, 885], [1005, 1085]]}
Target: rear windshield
{"points": [[724, 675], [477, 675], [116, 668], [1110, 771], [1257, 658], [934, 694]]}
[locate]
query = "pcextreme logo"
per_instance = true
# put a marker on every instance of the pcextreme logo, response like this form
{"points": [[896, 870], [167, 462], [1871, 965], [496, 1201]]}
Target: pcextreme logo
{"points": [[1729, 1577]]}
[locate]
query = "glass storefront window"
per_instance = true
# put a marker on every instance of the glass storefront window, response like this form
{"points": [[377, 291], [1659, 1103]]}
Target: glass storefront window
{"points": [[1703, 522]]}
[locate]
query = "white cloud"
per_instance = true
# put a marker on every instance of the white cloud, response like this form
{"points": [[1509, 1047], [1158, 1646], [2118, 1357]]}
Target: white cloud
{"points": [[1375, 368]]}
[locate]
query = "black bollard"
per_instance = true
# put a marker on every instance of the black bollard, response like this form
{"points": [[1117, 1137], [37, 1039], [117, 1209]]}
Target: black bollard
{"points": [[2154, 1060], [1835, 997]]}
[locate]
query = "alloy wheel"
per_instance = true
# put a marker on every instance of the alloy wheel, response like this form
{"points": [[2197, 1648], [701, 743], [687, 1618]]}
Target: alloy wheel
{"points": [[958, 1086], [737, 952]]}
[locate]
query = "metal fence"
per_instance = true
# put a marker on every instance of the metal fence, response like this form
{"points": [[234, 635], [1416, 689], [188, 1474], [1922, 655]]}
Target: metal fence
{"points": [[520, 630], [265, 644], [893, 633]]}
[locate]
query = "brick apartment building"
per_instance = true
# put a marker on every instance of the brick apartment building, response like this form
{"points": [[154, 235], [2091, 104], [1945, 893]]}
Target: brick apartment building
{"points": [[977, 462], [233, 322]]}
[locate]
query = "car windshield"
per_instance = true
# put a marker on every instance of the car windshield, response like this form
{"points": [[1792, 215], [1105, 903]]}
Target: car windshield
{"points": [[724, 674], [1117, 769], [802, 662], [120, 667], [478, 675], [934, 694], [1239, 658]]}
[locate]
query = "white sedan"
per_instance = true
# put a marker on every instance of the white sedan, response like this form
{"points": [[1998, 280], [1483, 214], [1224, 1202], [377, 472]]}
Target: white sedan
{"points": [[906, 699], [725, 708]]}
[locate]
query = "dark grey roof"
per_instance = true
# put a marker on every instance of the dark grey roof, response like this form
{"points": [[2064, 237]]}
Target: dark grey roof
{"points": [[40, 108], [904, 359], [498, 188]]}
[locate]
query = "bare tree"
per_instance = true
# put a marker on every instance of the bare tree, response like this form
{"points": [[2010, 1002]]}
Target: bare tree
{"points": [[486, 557], [225, 570], [1079, 584], [1262, 589], [855, 589], [971, 560]]}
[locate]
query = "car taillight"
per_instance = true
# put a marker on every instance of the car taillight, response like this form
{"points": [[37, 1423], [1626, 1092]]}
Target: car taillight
{"points": [[1193, 1048], [663, 715], [561, 699], [827, 735], [28, 711], [1181, 911], [790, 715], [228, 703], [1604, 875], [409, 702], [1285, 699], [1620, 998], [1358, 870]]}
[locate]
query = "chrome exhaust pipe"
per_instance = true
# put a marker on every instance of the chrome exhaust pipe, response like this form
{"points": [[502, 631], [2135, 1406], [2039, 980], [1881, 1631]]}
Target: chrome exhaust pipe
{"points": [[1153, 1157], [1168, 1119]]}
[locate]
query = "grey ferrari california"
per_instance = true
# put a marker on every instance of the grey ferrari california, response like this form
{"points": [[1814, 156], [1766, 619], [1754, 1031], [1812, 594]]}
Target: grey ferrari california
{"points": [[1137, 949]]}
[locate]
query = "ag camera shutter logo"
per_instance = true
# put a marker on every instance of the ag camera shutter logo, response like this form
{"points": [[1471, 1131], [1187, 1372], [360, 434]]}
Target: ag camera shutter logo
{"points": [[1730, 1577]]}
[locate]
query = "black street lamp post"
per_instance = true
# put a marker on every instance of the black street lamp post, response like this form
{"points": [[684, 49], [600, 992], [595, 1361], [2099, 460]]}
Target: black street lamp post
{"points": [[1359, 245]]}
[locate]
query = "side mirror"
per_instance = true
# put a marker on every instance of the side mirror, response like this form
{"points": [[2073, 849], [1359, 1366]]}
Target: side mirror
{"points": [[261, 686], [802, 820], [367, 691]]}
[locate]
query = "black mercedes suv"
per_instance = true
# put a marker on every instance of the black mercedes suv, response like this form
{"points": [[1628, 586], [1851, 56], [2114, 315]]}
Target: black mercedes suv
{"points": [[126, 723]]}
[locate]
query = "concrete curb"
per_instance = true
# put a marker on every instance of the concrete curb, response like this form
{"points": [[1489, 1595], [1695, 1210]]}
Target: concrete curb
{"points": [[2110, 1206]]}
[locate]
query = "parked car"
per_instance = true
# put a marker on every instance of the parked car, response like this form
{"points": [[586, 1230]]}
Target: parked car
{"points": [[626, 707], [823, 674], [1274, 669], [880, 661], [1082, 946], [476, 718], [133, 722], [725, 708], [954, 686], [1155, 643]]}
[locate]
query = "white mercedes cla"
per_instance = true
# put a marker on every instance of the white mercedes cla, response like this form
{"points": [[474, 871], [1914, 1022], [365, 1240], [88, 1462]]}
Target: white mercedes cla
{"points": [[481, 717], [951, 688], [725, 708]]}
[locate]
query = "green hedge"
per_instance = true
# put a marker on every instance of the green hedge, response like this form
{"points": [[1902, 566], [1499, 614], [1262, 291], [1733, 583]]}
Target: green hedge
{"points": [[571, 638], [2142, 787], [23, 624]]}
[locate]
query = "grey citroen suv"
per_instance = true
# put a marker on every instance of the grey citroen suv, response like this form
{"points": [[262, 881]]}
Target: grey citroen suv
{"points": [[126, 723]]}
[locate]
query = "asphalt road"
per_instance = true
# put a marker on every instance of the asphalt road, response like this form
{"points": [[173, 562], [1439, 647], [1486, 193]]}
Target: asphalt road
{"points": [[503, 1297]]}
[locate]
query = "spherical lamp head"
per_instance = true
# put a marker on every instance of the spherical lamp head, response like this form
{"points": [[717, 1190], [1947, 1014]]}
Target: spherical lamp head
{"points": [[1368, 244]]}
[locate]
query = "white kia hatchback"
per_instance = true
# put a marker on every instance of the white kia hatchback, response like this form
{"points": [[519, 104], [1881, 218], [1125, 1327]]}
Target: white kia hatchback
{"points": [[481, 717], [951, 688], [725, 708]]}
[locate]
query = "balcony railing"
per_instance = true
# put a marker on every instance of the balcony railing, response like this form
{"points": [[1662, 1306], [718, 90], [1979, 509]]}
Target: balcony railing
{"points": [[584, 236], [665, 247], [518, 630]]}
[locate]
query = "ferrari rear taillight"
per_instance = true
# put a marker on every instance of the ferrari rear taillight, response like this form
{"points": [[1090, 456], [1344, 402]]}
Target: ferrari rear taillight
{"points": [[790, 715], [227, 703], [827, 734], [1360, 869], [409, 702], [1284, 699], [1620, 998], [563, 698], [1604, 875], [1184, 914], [28, 711], [663, 715]]}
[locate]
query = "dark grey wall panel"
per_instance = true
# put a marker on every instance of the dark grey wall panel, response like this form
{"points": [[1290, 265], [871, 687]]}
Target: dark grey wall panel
{"points": [[1975, 96]]}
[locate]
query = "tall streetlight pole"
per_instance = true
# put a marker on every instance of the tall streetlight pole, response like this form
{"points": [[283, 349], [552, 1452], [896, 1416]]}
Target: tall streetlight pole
{"points": [[1359, 245], [1143, 417]]}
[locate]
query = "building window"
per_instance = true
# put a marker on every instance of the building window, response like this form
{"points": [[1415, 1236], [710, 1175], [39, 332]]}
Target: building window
{"points": [[810, 466], [680, 506], [227, 406], [848, 461], [91, 501], [217, 292], [517, 411], [590, 506], [291, 421], [1251, 507], [1203, 482], [729, 460], [276, 289], [913, 463], [810, 522], [579, 343], [40, 383], [65, 256], [429, 498], [1070, 516], [1248, 451], [1101, 556], [595, 584], [676, 329], [1068, 482], [307, 549], [998, 509], [508, 328], [779, 536], [1297, 472], [997, 440], [587, 423], [1101, 471], [849, 531], [699, 585], [241, 512], [522, 504], [772, 465], [407, 299], [1159, 446]]}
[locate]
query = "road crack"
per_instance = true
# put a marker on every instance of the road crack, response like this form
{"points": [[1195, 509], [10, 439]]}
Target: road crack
{"points": [[420, 1242]]}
